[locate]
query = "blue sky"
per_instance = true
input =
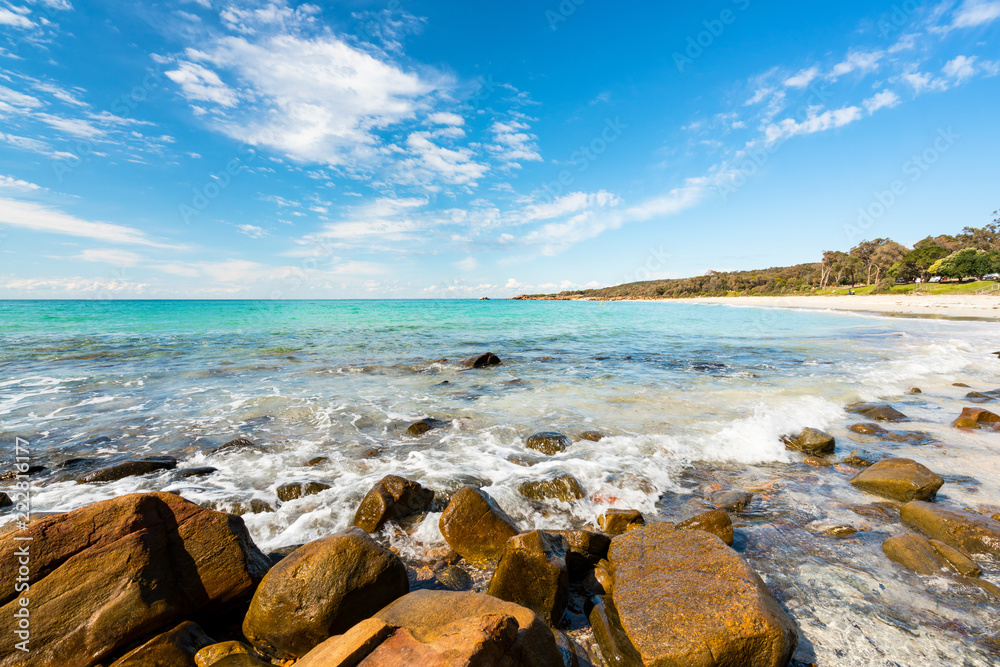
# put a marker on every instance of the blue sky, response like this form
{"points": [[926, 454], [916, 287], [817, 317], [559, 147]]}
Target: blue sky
{"points": [[214, 149]]}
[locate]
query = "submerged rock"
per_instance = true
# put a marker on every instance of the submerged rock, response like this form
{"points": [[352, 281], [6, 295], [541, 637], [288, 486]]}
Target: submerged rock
{"points": [[811, 441], [977, 418], [616, 522], [296, 490], [234, 445], [533, 573], [878, 412], [592, 436], [549, 442], [391, 498], [979, 397], [482, 361], [113, 573], [716, 522], [564, 487], [5, 500], [316, 461], [681, 597], [420, 427], [868, 428], [129, 469], [196, 472], [321, 589], [475, 526], [972, 533], [915, 553], [861, 458], [899, 479], [732, 500], [958, 559]]}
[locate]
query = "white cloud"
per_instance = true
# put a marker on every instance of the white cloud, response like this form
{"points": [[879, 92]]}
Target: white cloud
{"points": [[456, 166], [863, 62], [814, 122], [253, 231], [445, 118], [315, 100], [74, 285], [885, 99], [110, 256], [513, 143], [803, 78], [14, 20], [39, 218], [976, 12], [960, 68], [17, 184], [467, 264], [199, 84]]}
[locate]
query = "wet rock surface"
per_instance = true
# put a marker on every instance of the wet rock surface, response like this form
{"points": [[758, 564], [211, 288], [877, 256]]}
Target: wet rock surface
{"points": [[682, 597], [617, 521], [129, 469], [878, 412], [484, 360], [392, 498], [476, 527], [563, 487], [533, 573], [716, 522], [175, 648], [548, 442], [321, 589], [970, 532], [899, 479], [811, 441], [296, 490], [118, 571], [424, 425]]}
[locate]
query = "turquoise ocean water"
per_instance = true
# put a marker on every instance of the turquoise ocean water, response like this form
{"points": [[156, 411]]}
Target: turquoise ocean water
{"points": [[693, 398]]}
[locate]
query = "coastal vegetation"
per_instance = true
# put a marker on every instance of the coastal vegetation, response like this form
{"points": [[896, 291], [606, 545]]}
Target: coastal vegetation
{"points": [[943, 263]]}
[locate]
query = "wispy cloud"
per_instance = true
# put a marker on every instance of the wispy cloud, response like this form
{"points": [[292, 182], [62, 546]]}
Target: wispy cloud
{"points": [[40, 218]]}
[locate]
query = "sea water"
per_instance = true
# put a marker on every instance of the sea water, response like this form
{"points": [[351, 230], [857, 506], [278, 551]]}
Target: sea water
{"points": [[692, 399]]}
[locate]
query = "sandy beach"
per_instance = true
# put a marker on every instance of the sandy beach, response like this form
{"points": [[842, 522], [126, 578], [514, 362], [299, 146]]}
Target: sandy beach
{"points": [[984, 306]]}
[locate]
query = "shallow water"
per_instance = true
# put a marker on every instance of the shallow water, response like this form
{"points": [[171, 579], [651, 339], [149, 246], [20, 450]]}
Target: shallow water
{"points": [[693, 399]]}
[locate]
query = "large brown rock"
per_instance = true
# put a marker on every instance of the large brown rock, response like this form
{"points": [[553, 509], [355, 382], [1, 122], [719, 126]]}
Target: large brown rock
{"points": [[716, 522], [533, 574], [214, 653], [972, 533], [391, 498], [483, 640], [811, 441], [682, 597], [115, 572], [899, 479], [475, 526], [422, 613], [322, 589], [175, 648], [915, 553], [349, 648]]}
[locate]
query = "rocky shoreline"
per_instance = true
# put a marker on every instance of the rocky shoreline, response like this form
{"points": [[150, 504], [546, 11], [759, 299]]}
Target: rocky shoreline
{"points": [[153, 579]]}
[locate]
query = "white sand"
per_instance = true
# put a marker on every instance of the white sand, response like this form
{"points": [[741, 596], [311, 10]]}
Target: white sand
{"points": [[980, 306]]}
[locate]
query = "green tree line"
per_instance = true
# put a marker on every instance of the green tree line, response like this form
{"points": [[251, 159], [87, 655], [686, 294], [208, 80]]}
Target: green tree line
{"points": [[973, 253]]}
